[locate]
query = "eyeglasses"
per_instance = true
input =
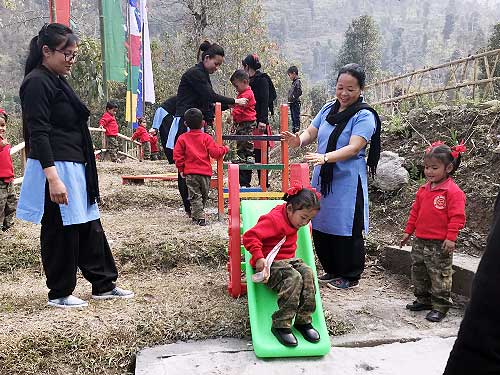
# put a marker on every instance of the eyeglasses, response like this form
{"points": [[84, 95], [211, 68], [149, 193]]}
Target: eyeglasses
{"points": [[68, 56]]}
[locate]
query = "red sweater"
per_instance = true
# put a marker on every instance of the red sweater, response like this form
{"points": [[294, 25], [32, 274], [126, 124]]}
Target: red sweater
{"points": [[153, 139], [437, 213], [108, 122], [193, 150], [268, 231], [141, 134], [247, 112], [6, 168]]}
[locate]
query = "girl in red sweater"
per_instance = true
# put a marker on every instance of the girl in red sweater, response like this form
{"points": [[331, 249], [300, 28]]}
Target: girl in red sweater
{"points": [[288, 276], [8, 199], [436, 216]]}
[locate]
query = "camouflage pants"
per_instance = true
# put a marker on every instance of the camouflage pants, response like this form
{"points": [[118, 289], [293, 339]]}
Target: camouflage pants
{"points": [[198, 187], [112, 147], [293, 281], [8, 203], [146, 150], [155, 156], [244, 149], [431, 274]]}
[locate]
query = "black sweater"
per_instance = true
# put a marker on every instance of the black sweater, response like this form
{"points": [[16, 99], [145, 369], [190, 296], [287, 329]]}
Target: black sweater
{"points": [[260, 88], [53, 125], [195, 91], [477, 348]]}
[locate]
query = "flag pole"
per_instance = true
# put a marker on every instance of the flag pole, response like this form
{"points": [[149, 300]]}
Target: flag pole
{"points": [[142, 60], [103, 51], [129, 65], [53, 12]]}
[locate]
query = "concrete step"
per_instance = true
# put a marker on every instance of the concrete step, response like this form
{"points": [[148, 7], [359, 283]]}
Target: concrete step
{"points": [[398, 261]]}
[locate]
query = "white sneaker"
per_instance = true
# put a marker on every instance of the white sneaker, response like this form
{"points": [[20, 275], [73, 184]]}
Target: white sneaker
{"points": [[114, 293], [69, 302]]}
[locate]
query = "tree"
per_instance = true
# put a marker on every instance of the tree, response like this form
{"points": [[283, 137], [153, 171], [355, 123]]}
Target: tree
{"points": [[449, 26], [362, 46]]}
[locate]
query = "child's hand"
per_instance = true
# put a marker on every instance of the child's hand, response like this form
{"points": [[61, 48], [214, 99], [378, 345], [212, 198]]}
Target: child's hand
{"points": [[241, 101], [448, 246], [404, 240], [3, 142], [260, 264]]}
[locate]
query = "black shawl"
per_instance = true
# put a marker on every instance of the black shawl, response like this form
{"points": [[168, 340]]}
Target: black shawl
{"points": [[88, 149], [340, 119]]}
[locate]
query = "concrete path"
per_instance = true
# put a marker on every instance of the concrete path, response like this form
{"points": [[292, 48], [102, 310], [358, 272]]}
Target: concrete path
{"points": [[231, 356]]}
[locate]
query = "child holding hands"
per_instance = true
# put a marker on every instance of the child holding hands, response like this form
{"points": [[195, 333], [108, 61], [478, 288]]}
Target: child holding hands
{"points": [[436, 217], [142, 135], [290, 277]]}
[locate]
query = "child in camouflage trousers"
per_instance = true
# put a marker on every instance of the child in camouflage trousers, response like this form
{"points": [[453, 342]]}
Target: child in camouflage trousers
{"points": [[289, 277], [8, 199], [436, 217]]}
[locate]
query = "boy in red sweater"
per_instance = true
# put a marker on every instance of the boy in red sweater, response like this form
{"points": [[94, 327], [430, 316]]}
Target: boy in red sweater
{"points": [[244, 117], [153, 140], [7, 194], [108, 122], [288, 276], [192, 154], [142, 135], [436, 216]]}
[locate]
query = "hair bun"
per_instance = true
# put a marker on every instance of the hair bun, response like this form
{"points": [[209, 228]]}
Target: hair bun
{"points": [[252, 61], [205, 45]]}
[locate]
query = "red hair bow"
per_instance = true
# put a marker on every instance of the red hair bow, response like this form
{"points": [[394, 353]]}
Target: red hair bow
{"points": [[318, 194], [293, 190], [435, 144], [458, 149]]}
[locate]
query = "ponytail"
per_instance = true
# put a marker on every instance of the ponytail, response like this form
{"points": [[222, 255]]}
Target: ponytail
{"points": [[34, 57]]}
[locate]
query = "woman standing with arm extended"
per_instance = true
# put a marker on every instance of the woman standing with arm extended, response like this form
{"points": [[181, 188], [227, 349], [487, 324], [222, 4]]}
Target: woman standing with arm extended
{"points": [[60, 187], [195, 91], [343, 129]]}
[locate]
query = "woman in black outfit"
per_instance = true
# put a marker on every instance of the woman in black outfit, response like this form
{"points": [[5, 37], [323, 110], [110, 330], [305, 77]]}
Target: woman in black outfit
{"points": [[60, 187], [260, 84], [195, 91]]}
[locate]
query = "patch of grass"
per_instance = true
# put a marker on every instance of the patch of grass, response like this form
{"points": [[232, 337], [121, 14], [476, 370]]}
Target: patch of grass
{"points": [[18, 251], [336, 327]]}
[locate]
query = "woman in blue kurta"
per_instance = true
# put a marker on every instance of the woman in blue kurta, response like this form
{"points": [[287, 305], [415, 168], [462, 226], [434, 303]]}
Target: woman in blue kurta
{"points": [[343, 129]]}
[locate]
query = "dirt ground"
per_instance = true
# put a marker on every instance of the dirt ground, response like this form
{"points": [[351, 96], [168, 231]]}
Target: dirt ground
{"points": [[177, 271]]}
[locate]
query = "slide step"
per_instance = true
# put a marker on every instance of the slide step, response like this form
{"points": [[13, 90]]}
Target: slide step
{"points": [[258, 166]]}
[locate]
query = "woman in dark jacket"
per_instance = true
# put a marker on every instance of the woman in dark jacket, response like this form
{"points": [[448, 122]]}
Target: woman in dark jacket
{"points": [[60, 187], [195, 91], [260, 84]]}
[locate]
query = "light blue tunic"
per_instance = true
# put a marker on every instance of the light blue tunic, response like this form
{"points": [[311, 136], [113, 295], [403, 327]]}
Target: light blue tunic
{"points": [[160, 114], [32, 197], [337, 208]]}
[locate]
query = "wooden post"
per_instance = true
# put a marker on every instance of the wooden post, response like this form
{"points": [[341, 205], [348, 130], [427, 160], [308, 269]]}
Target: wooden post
{"points": [[284, 146], [263, 160], [220, 170]]}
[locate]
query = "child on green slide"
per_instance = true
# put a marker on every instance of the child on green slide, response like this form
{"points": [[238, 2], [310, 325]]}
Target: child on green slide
{"points": [[288, 276]]}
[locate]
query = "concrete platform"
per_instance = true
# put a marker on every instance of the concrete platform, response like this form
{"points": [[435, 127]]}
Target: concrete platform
{"points": [[398, 261], [231, 356]]}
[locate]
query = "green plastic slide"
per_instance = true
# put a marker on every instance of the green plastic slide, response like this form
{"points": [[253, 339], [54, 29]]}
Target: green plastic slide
{"points": [[262, 301]]}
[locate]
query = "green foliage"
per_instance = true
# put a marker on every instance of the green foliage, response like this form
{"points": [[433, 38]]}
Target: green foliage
{"points": [[318, 96], [397, 124], [86, 76], [362, 46]]}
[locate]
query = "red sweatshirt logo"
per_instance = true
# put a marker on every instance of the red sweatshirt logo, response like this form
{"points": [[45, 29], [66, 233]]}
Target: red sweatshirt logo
{"points": [[440, 202]]}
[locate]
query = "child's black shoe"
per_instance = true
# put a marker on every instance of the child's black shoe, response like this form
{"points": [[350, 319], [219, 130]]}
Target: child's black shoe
{"points": [[308, 331], [435, 316], [417, 306], [285, 336]]}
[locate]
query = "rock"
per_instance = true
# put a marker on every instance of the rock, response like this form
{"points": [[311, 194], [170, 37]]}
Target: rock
{"points": [[391, 175]]}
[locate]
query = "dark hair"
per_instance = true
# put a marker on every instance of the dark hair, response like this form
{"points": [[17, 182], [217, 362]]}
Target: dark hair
{"points": [[252, 61], [443, 154], [293, 69], [209, 49], [50, 35], [141, 120], [240, 75], [304, 199], [193, 118], [356, 71], [111, 104], [4, 114]]}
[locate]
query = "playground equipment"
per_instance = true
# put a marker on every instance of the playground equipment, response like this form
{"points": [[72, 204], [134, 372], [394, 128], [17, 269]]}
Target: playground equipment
{"points": [[243, 215]]}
